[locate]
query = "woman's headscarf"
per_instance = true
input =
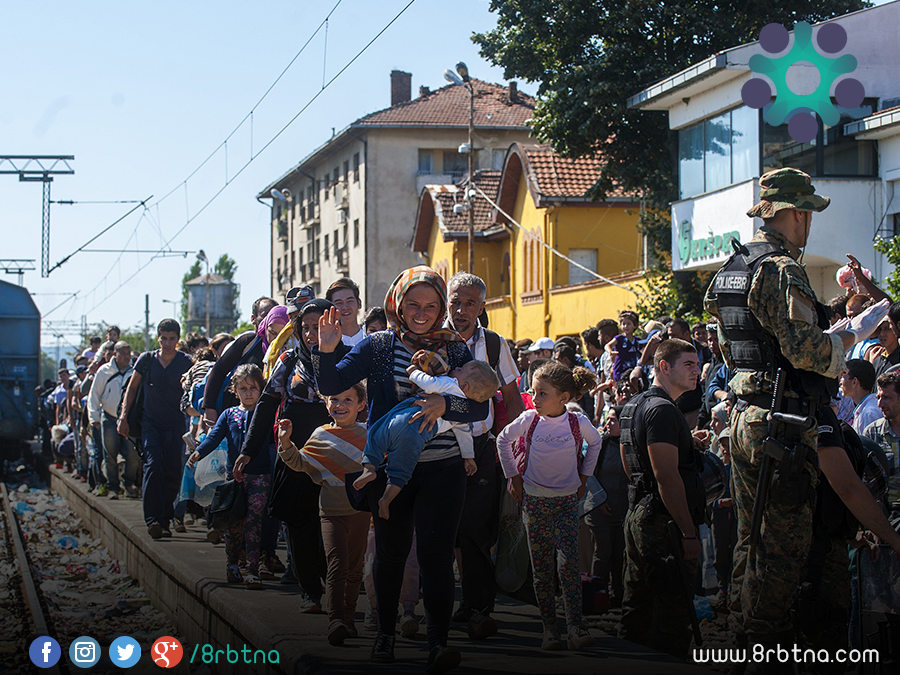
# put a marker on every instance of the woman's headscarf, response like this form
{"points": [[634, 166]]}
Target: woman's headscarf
{"points": [[434, 339], [278, 314]]}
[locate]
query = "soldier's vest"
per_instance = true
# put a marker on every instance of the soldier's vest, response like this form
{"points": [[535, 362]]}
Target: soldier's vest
{"points": [[753, 349], [644, 489]]}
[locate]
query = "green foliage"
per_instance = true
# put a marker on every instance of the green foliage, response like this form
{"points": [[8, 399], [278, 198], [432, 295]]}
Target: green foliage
{"points": [[243, 328], [588, 56], [49, 366], [890, 248]]}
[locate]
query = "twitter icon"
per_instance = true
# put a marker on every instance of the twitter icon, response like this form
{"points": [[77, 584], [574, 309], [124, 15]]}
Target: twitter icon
{"points": [[124, 651]]}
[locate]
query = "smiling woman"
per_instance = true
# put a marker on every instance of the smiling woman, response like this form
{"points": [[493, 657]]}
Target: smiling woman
{"points": [[432, 500]]}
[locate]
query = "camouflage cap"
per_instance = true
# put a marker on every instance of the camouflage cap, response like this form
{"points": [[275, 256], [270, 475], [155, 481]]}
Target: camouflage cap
{"points": [[786, 189]]}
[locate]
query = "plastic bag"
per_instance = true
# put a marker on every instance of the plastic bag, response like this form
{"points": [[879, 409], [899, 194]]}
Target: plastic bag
{"points": [[513, 556], [709, 579], [211, 469]]}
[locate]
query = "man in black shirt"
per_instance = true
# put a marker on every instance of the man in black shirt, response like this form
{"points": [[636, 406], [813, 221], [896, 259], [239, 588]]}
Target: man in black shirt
{"points": [[663, 467], [887, 333], [163, 425]]}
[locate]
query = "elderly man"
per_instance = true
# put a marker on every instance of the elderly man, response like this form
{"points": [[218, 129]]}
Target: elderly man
{"points": [[478, 527]]}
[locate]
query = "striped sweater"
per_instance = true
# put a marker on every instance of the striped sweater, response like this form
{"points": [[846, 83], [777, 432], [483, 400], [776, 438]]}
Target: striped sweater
{"points": [[330, 453]]}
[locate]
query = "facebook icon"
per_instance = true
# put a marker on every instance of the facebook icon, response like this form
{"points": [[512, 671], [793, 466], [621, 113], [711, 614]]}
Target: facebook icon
{"points": [[44, 652]]}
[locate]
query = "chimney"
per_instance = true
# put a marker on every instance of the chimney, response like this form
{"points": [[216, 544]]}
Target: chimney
{"points": [[401, 87], [424, 91], [513, 91]]}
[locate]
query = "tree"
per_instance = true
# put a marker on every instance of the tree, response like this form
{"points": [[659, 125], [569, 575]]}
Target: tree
{"points": [[890, 248], [589, 56], [225, 267]]}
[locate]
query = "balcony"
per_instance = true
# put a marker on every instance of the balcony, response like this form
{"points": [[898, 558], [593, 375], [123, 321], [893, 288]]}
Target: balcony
{"points": [[282, 228], [340, 195], [342, 260]]}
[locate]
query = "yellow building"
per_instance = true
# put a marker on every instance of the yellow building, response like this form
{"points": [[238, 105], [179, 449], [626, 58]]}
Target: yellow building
{"points": [[532, 291]]}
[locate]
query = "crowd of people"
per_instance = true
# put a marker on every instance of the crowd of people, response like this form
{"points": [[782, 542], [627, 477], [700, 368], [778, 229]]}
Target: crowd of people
{"points": [[354, 440]]}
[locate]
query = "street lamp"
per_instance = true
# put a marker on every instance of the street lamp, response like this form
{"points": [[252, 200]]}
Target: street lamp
{"points": [[461, 76], [174, 304], [201, 256]]}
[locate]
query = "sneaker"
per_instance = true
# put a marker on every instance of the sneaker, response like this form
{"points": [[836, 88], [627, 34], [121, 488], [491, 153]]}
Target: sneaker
{"points": [[351, 628], [551, 640], [189, 441], [266, 572], [155, 530], [113, 494], [481, 627], [253, 582], [233, 574], [166, 532], [579, 637], [102, 491], [337, 632], [133, 492], [370, 623], [383, 649], [409, 625], [273, 563], [178, 525], [442, 659], [288, 578], [310, 606]]}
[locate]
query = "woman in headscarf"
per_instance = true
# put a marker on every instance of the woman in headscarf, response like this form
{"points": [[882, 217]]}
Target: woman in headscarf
{"points": [[291, 393], [432, 501], [270, 331]]}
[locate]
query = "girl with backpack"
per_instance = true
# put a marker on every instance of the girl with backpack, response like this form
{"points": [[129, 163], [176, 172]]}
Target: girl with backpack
{"points": [[541, 455], [247, 384]]}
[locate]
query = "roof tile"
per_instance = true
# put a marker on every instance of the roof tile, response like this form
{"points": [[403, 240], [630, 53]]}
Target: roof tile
{"points": [[449, 106], [558, 176], [447, 196]]}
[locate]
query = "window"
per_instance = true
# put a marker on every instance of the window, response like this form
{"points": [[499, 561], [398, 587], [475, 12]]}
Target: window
{"points": [[426, 162], [718, 152], [532, 268], [293, 265], [586, 257], [829, 154], [346, 235], [326, 247], [346, 171], [278, 271], [497, 160], [326, 185], [300, 261], [356, 167], [455, 164], [356, 232], [337, 244]]}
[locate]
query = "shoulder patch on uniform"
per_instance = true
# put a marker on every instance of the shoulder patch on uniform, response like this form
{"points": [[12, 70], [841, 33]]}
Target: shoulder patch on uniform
{"points": [[826, 429]]}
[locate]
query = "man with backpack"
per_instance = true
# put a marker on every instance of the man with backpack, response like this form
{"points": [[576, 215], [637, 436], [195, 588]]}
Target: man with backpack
{"points": [[478, 527], [158, 373], [103, 407]]}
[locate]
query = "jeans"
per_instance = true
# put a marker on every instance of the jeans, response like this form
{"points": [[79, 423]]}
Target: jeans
{"points": [[95, 473], [115, 445], [432, 504], [163, 450], [478, 529], [392, 435]]}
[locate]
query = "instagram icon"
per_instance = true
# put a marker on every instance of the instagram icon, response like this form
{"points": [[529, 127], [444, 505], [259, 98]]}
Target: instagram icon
{"points": [[84, 652]]}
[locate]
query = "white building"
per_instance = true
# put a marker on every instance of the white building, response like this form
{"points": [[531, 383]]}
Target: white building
{"points": [[724, 146], [348, 205]]}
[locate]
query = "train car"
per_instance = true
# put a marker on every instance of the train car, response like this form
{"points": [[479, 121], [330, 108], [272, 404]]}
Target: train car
{"points": [[20, 366]]}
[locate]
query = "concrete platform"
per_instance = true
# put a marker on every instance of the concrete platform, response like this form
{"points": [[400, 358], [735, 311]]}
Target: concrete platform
{"points": [[185, 578]]}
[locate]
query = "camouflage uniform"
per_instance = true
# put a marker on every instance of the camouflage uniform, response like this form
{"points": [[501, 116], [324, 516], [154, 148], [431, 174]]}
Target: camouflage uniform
{"points": [[764, 581], [654, 612]]}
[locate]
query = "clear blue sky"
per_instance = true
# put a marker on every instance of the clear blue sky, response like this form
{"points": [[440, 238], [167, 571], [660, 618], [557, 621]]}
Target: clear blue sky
{"points": [[141, 93]]}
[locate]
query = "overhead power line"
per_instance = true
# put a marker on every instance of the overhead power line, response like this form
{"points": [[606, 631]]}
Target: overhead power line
{"points": [[190, 218]]}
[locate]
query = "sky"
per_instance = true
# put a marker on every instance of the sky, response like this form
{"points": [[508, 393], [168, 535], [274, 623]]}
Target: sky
{"points": [[142, 93]]}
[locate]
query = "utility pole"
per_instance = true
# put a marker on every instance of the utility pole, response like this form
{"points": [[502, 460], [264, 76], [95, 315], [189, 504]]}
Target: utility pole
{"points": [[33, 169], [17, 266], [147, 323]]}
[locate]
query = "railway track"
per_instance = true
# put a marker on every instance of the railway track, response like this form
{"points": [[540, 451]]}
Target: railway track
{"points": [[24, 598]]}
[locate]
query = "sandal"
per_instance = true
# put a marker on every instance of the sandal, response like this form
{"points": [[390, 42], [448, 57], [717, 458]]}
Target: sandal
{"points": [[233, 574]]}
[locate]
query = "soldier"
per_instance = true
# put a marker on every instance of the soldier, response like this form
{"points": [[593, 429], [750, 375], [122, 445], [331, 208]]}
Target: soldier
{"points": [[663, 467], [769, 318]]}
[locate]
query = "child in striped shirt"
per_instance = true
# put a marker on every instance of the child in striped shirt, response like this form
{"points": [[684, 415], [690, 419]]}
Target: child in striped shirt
{"points": [[332, 451]]}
